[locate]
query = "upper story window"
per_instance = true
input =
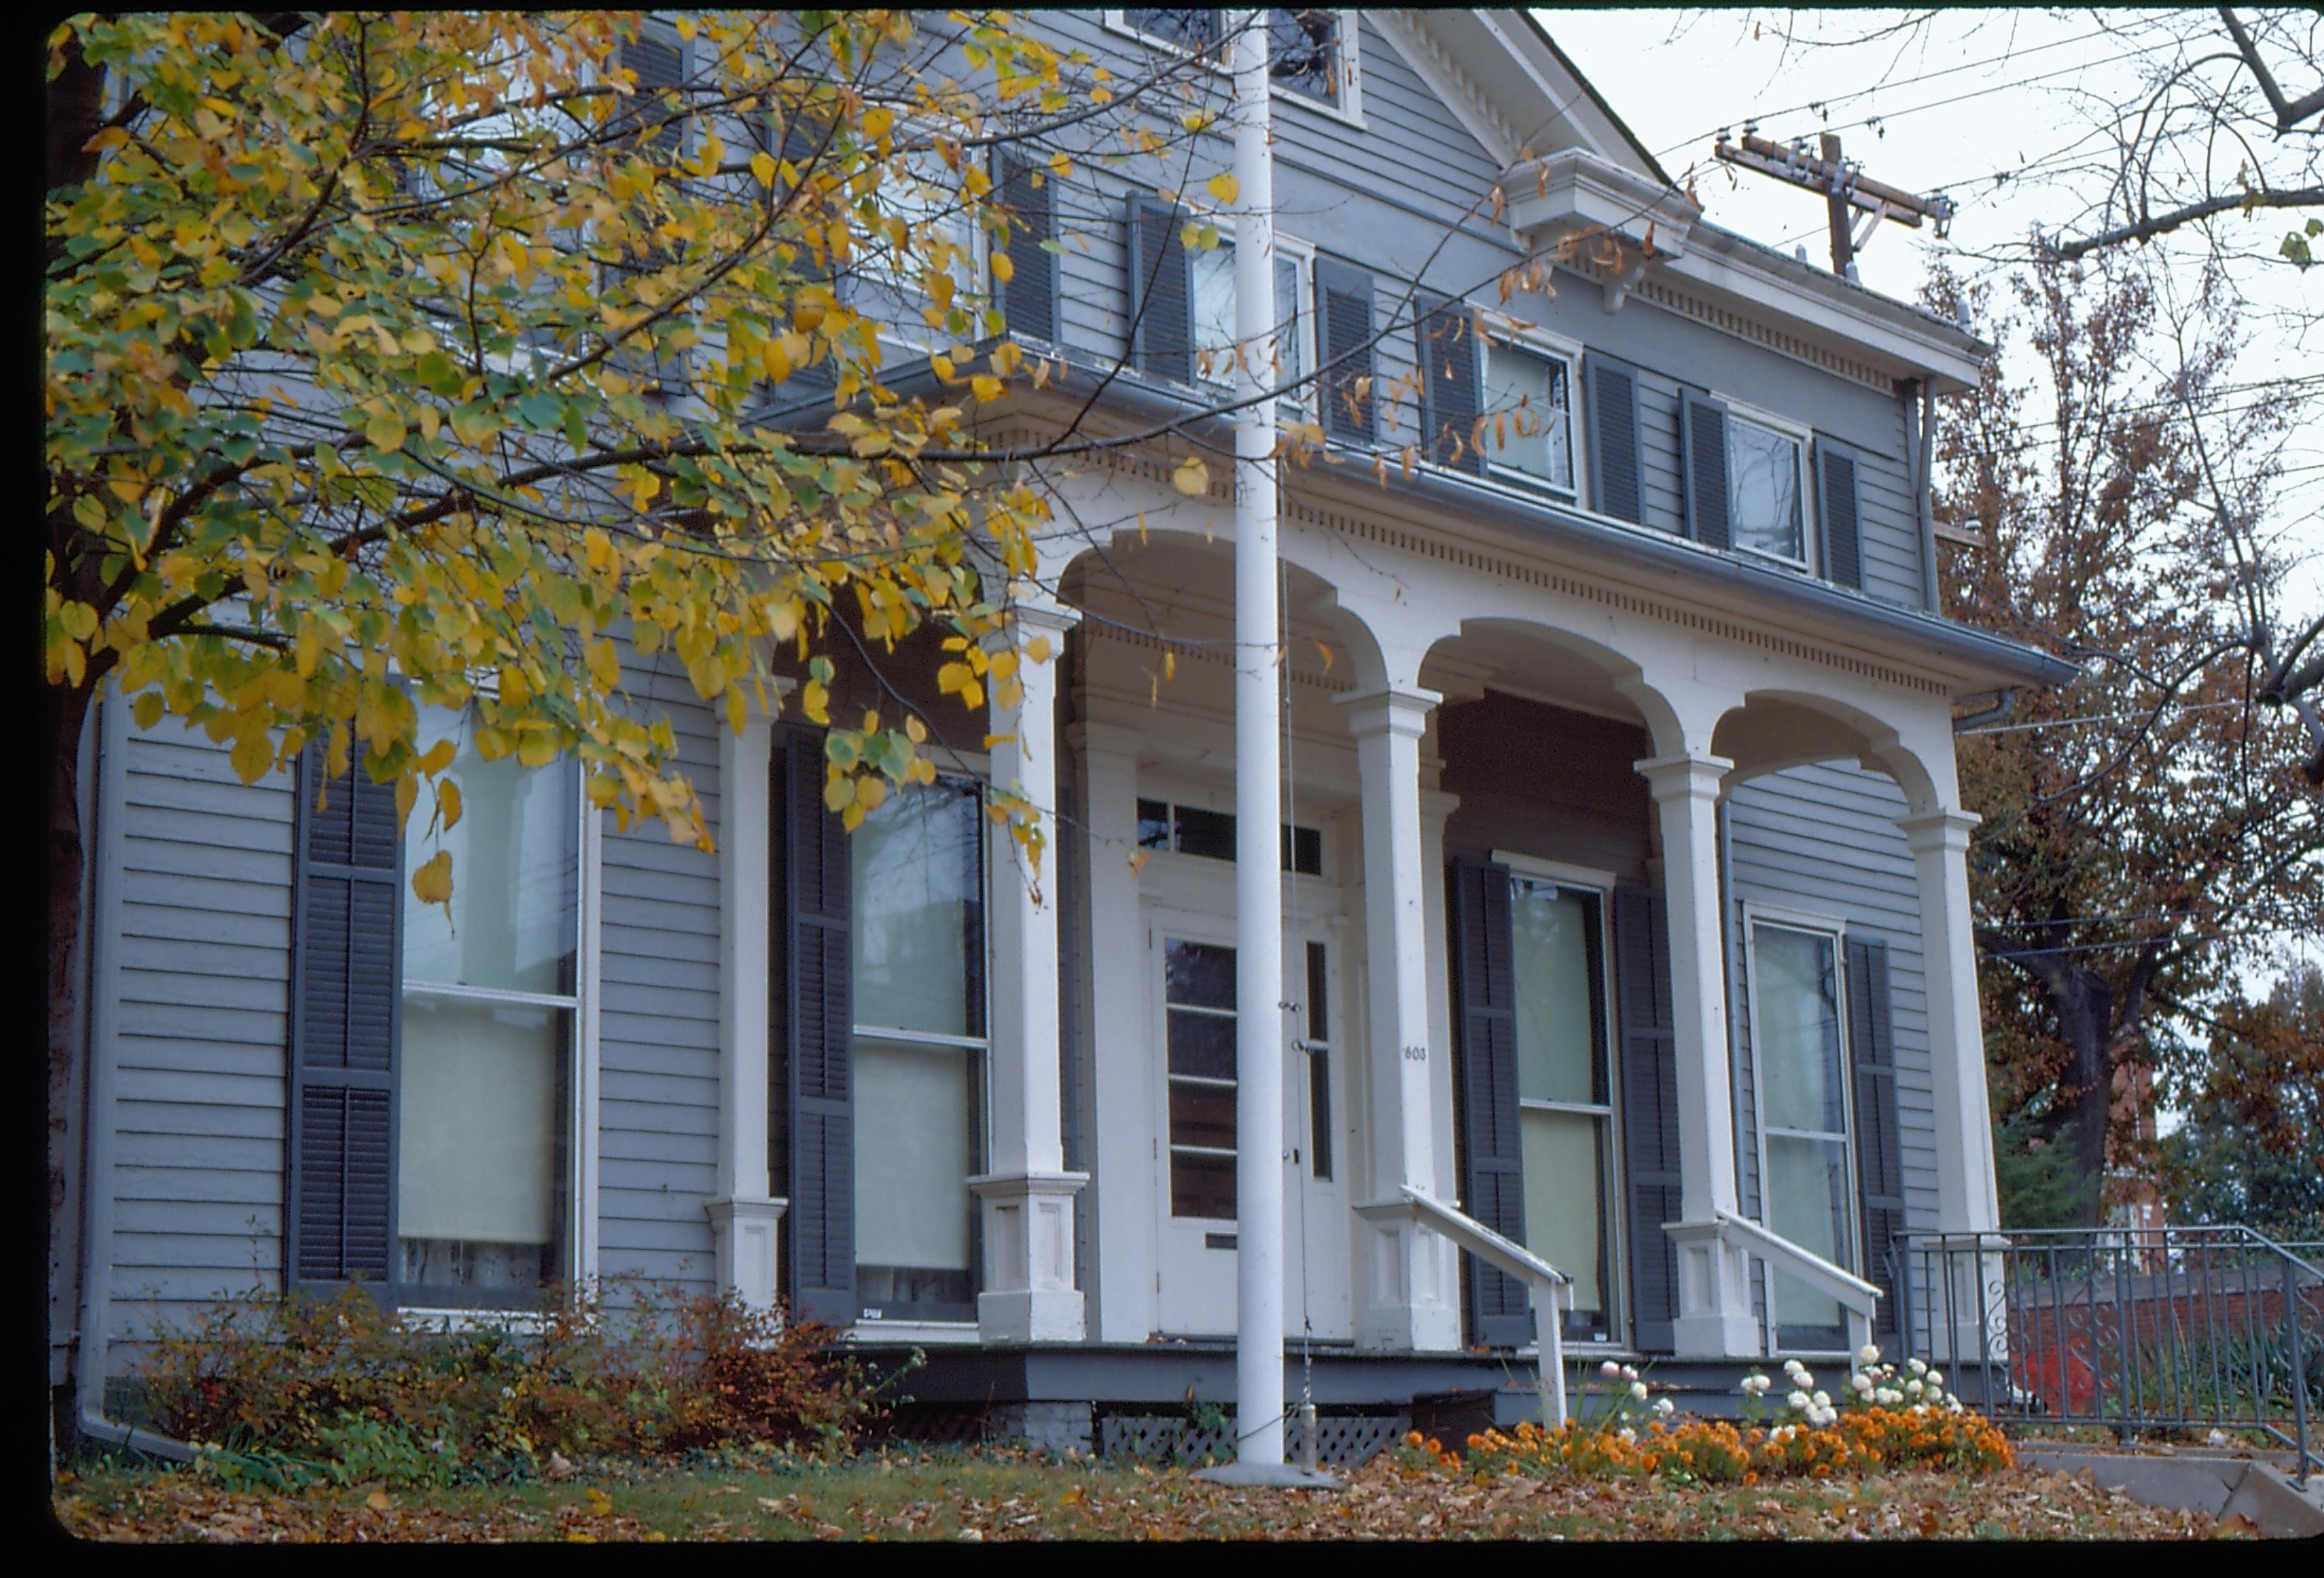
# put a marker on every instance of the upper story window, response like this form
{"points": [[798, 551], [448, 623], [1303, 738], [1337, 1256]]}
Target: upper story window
{"points": [[1308, 50], [1286, 355], [1764, 488], [1744, 475], [1529, 421]]}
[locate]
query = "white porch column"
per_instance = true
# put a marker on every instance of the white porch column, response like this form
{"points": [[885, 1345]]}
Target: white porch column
{"points": [[1410, 1302], [744, 1211], [1714, 1314], [1967, 1198], [1027, 1196]]}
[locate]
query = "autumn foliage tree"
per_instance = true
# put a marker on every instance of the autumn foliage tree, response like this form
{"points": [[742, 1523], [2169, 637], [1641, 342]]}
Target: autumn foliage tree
{"points": [[2148, 832]]}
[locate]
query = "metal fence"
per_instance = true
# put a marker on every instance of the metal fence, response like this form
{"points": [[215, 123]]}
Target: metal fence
{"points": [[2129, 1328]]}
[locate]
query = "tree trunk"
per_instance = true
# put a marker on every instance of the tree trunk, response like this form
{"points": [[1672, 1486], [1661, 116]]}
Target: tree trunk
{"points": [[64, 715]]}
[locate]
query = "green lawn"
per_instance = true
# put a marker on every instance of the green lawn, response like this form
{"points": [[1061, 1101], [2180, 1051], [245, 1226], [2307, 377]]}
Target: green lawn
{"points": [[995, 1495]]}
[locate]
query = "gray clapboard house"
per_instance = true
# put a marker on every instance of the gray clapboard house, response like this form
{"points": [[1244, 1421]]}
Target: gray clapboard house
{"points": [[1626, 906]]}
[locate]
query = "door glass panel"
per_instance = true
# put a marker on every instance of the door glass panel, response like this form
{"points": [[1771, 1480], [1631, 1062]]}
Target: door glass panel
{"points": [[1198, 994]]}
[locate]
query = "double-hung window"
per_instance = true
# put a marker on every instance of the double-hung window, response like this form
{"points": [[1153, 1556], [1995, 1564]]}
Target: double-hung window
{"points": [[1528, 426], [490, 997], [1285, 356], [1565, 1096], [432, 1056], [918, 1055], [1766, 491], [926, 286], [1807, 1173], [1744, 473]]}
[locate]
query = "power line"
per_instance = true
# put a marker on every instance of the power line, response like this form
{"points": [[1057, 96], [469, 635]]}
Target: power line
{"points": [[1818, 104]]}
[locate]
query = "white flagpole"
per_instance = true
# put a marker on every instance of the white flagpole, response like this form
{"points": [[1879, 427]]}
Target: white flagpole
{"points": [[1259, 877]]}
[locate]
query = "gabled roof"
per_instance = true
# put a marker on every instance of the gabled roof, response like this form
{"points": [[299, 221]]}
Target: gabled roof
{"points": [[1510, 85]]}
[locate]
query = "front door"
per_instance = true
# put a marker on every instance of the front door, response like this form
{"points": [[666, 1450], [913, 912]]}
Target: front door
{"points": [[1193, 971]]}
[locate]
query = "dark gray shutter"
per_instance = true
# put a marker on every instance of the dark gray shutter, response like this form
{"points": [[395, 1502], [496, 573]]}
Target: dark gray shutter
{"points": [[1344, 314], [1615, 486], [1702, 465], [1486, 1043], [813, 1017], [1879, 1141], [346, 1017], [659, 64], [1029, 301], [1843, 540], [1642, 970], [1161, 293], [1450, 393]]}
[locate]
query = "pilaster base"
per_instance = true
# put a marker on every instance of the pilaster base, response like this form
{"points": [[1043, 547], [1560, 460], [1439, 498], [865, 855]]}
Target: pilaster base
{"points": [[1714, 1294], [1028, 1259], [742, 1234], [1415, 1306]]}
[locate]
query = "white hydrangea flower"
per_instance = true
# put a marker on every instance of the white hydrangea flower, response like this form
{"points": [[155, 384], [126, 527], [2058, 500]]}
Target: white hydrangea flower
{"points": [[1664, 1407], [1917, 1366], [1868, 1352], [1912, 1388], [1609, 1370], [1629, 1372], [1627, 1433], [1638, 1390], [1953, 1404], [1823, 1399], [1797, 1399], [1862, 1383], [1936, 1378]]}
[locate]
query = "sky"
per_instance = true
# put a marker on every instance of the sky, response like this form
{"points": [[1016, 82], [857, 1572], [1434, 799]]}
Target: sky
{"points": [[1980, 93]]}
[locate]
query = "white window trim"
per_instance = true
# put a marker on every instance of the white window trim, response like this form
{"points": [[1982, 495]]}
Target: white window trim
{"points": [[1542, 342], [1804, 436], [1601, 883], [1835, 929], [1350, 109]]}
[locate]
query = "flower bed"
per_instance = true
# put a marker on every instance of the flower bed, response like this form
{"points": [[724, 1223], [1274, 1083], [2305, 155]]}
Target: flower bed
{"points": [[1890, 1417]]}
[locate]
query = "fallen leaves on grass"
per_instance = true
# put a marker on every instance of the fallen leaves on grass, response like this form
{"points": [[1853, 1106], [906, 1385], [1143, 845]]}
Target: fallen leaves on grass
{"points": [[1014, 1496]]}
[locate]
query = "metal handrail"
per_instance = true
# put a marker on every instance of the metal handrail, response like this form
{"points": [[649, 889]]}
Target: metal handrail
{"points": [[1549, 1286], [1860, 1298]]}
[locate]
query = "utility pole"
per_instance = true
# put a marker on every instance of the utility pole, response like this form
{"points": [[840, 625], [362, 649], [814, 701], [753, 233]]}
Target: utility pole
{"points": [[1844, 184]]}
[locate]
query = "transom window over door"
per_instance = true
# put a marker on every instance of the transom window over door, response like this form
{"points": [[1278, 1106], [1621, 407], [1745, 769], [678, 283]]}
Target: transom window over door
{"points": [[1806, 1172], [919, 1050], [1565, 1092], [489, 1000]]}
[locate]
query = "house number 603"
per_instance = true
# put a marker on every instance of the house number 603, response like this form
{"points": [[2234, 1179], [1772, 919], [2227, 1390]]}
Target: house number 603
{"points": [[1417, 1053]]}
